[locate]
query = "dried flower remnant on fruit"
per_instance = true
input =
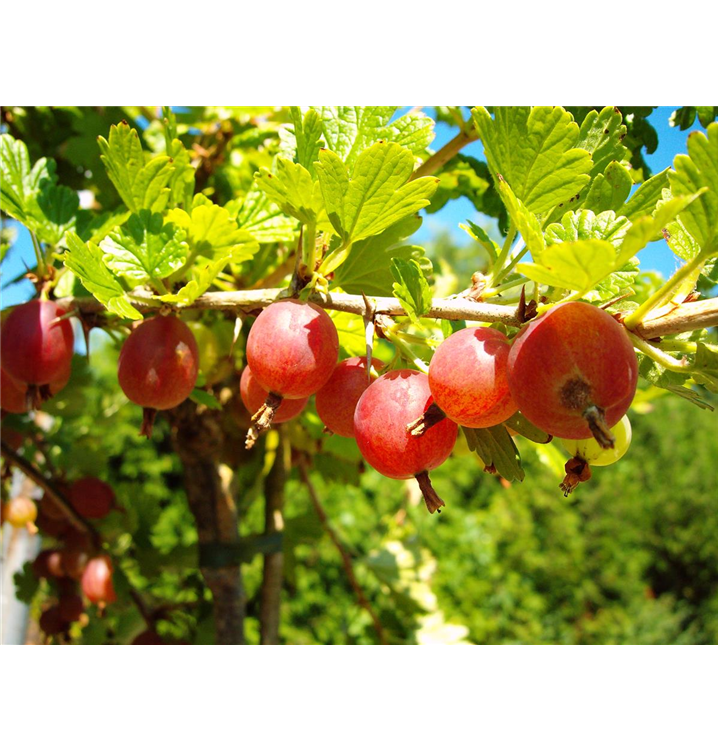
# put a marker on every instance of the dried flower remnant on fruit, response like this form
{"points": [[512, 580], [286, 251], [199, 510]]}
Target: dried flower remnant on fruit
{"points": [[390, 403]]}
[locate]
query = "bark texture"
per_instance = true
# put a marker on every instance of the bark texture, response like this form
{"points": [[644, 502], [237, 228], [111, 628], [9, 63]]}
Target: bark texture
{"points": [[198, 439]]}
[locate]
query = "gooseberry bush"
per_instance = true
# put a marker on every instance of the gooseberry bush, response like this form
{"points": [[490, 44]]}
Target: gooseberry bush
{"points": [[232, 273]]}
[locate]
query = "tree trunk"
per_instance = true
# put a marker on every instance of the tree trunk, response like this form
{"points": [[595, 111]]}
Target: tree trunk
{"points": [[198, 439], [273, 561]]}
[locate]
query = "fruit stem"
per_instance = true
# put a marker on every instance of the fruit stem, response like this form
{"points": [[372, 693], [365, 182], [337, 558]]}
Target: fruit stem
{"points": [[148, 421], [665, 293], [262, 420], [432, 500], [519, 251], [309, 249], [577, 471], [595, 416], [404, 349], [501, 288], [433, 415], [503, 255], [39, 256], [663, 359]]}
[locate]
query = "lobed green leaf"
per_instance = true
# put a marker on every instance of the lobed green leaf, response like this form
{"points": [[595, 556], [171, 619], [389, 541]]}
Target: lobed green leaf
{"points": [[533, 149], [367, 268], [145, 249], [85, 260], [140, 185], [411, 288], [699, 170], [377, 195], [291, 187], [578, 265]]}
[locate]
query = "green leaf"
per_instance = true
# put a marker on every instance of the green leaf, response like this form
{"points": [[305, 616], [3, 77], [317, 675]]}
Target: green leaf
{"points": [[291, 187], [533, 149], [181, 182], [302, 139], [212, 233], [576, 265], [477, 233], [58, 207], [649, 228], [348, 131], [601, 134], [520, 424], [204, 398], [144, 248], [643, 201], [96, 227], [464, 177], [25, 584], [413, 130], [141, 186], [351, 333], [86, 262], [586, 225], [705, 366], [264, 220], [32, 195], [14, 177], [615, 283], [524, 220], [699, 170], [609, 191], [496, 448], [367, 268], [376, 196], [675, 382], [411, 288], [215, 241]]}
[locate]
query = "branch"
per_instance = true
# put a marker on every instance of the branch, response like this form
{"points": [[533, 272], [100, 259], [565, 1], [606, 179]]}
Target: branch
{"points": [[346, 557], [456, 308], [447, 152], [32, 472], [691, 316]]}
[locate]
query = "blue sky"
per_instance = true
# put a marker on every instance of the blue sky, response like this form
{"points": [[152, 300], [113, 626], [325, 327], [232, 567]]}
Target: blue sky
{"points": [[657, 256]]}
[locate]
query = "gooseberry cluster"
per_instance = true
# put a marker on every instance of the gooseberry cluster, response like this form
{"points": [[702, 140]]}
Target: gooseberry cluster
{"points": [[73, 566]]}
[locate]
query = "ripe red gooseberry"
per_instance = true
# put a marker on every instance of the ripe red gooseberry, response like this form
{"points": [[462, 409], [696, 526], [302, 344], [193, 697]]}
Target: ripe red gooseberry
{"points": [[336, 401], [91, 497], [573, 372], [292, 349], [158, 366], [467, 377], [382, 413], [97, 581], [37, 345]]}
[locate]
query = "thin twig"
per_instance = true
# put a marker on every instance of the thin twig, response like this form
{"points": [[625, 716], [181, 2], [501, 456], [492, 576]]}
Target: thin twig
{"points": [[346, 557]]}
